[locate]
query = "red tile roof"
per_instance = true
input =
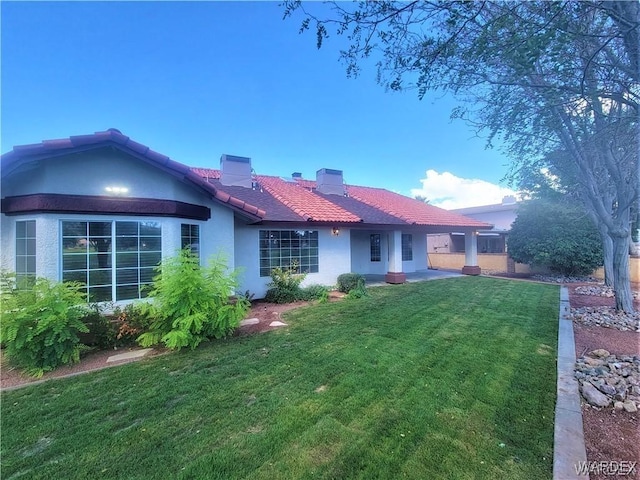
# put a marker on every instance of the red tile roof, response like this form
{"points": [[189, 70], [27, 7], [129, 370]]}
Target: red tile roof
{"points": [[309, 205], [366, 205], [275, 199], [411, 210]]}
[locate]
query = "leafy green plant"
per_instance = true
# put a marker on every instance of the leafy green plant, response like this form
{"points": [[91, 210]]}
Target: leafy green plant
{"points": [[41, 326], [191, 303], [285, 284], [358, 292], [555, 235], [315, 292], [350, 281], [102, 331]]}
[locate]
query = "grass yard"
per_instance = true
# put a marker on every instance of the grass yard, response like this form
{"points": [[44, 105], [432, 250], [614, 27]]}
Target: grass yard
{"points": [[447, 379]]}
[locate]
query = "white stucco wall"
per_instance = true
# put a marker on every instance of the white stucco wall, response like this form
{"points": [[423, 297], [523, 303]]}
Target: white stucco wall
{"points": [[361, 253], [88, 174], [333, 258], [215, 235], [91, 172], [500, 219]]}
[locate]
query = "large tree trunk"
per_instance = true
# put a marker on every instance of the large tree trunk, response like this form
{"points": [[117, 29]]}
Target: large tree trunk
{"points": [[607, 250], [621, 277]]}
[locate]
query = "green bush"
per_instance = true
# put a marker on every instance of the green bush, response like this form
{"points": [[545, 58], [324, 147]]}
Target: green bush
{"points": [[102, 331], [41, 325], [315, 292], [558, 236], [285, 285], [350, 281], [191, 303]]}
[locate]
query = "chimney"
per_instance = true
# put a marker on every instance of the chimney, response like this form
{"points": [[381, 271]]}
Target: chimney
{"points": [[329, 181], [296, 175], [235, 171]]}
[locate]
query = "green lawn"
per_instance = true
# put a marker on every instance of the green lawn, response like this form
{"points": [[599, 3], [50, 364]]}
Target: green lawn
{"points": [[448, 379]]}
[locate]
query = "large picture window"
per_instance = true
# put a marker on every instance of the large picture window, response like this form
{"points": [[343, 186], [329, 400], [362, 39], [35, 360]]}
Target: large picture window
{"points": [[282, 248], [115, 260], [407, 247], [375, 247], [25, 252]]}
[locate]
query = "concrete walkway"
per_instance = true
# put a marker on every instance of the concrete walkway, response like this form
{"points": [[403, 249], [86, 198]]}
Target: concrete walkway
{"points": [[568, 439]]}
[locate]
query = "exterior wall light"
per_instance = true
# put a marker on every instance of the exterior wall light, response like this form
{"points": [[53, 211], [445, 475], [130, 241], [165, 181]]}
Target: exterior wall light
{"points": [[117, 190], [335, 231]]}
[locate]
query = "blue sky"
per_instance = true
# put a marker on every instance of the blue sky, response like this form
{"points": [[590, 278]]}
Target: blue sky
{"points": [[194, 80]]}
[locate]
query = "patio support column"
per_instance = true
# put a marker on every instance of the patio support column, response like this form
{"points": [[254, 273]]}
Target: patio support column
{"points": [[395, 274], [471, 254]]}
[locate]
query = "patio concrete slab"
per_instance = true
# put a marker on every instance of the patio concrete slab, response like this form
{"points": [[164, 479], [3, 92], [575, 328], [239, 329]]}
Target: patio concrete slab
{"points": [[375, 280], [568, 442], [129, 355]]}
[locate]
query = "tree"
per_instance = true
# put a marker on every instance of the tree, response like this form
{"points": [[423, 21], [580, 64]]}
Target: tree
{"points": [[541, 77], [555, 235]]}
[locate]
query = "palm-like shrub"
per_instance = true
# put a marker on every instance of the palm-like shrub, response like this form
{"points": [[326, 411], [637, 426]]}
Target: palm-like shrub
{"points": [[40, 325], [191, 303]]}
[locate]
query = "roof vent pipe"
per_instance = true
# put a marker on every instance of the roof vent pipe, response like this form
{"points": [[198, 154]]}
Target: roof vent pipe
{"points": [[235, 171]]}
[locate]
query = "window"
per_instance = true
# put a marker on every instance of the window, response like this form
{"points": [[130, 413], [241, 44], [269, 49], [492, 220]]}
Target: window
{"points": [[25, 252], [407, 247], [190, 237], [115, 260], [281, 248], [375, 247]]}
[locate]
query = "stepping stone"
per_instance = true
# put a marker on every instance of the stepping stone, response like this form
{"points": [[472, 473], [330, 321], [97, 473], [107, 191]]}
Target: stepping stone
{"points": [[277, 324], [129, 355], [249, 321]]}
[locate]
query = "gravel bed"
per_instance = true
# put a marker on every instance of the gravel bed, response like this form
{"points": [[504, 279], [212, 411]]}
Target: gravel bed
{"points": [[607, 317]]}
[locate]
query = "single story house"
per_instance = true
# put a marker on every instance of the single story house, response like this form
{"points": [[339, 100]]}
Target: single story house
{"points": [[104, 210]]}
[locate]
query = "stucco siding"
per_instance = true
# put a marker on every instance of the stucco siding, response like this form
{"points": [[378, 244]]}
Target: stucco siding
{"points": [[91, 172], [333, 258]]}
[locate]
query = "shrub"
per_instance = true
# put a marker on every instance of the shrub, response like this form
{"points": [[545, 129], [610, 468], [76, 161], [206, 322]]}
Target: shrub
{"points": [[557, 236], [40, 326], [315, 292], [102, 331], [285, 285], [191, 303], [130, 322], [358, 292], [350, 281]]}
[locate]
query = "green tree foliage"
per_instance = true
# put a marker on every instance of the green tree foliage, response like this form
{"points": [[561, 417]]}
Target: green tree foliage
{"points": [[40, 325], [557, 236], [191, 303], [539, 76]]}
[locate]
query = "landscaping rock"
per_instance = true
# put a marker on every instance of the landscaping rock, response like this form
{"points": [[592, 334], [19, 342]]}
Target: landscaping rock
{"points": [[606, 317], [599, 290], [614, 380], [630, 406], [594, 396]]}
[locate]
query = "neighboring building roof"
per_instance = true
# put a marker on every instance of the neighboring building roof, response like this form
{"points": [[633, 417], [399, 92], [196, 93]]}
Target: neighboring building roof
{"points": [[273, 199]]}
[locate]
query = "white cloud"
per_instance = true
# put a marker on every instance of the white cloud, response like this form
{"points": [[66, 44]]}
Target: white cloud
{"points": [[445, 190]]}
